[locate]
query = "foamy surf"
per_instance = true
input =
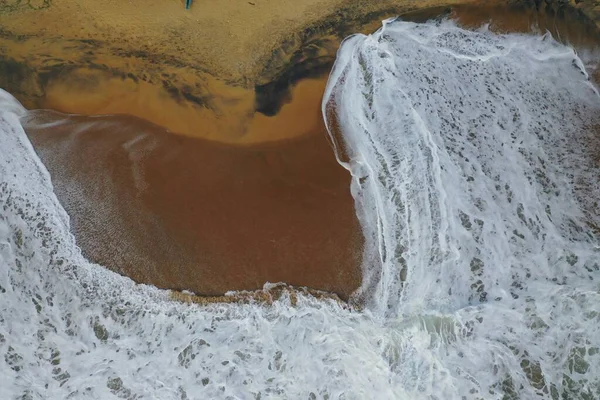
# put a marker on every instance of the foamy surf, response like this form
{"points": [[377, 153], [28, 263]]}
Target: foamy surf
{"points": [[469, 152]]}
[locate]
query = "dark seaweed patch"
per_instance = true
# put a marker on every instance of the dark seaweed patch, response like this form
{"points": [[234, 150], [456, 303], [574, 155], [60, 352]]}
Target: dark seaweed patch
{"points": [[13, 70], [271, 96], [313, 52]]}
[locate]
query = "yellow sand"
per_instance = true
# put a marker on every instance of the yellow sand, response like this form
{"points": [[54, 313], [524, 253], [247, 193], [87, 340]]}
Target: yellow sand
{"points": [[120, 56]]}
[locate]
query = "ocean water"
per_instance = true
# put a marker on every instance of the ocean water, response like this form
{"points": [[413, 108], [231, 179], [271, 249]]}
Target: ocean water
{"points": [[474, 173]]}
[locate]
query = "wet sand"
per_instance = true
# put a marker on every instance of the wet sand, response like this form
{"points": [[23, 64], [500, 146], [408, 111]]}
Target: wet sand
{"points": [[232, 123]]}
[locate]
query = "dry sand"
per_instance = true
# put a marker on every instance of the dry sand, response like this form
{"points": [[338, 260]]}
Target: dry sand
{"points": [[202, 72]]}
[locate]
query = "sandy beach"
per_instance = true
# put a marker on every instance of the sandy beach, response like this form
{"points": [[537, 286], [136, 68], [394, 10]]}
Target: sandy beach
{"points": [[226, 180], [203, 72]]}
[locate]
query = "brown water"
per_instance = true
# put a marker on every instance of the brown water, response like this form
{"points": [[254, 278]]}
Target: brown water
{"points": [[264, 200], [190, 214]]}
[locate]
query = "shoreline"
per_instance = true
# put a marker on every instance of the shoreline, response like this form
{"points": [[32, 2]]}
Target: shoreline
{"points": [[190, 214], [276, 108], [161, 59]]}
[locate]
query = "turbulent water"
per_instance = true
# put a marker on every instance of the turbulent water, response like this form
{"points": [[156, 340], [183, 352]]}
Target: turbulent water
{"points": [[474, 179]]}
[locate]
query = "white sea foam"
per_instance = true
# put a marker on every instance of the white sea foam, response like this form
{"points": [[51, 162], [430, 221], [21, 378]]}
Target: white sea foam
{"points": [[471, 174], [471, 154]]}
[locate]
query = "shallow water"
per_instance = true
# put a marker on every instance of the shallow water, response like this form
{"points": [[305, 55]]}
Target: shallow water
{"points": [[471, 155], [183, 213]]}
